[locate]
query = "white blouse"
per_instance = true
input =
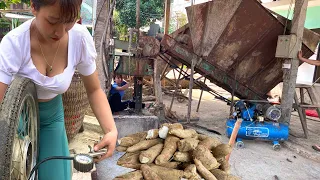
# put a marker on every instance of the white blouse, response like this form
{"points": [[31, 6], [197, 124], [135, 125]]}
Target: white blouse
{"points": [[15, 60]]}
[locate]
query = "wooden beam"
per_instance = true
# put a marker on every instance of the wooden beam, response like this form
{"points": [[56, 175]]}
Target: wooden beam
{"points": [[167, 16], [158, 90], [177, 85], [138, 15], [138, 80], [201, 96], [157, 81], [290, 73], [193, 64]]}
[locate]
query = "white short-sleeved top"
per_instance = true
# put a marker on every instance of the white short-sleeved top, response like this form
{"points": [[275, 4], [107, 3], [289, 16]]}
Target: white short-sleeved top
{"points": [[15, 60]]}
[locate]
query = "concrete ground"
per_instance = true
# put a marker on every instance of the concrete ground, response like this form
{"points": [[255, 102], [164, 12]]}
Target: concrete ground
{"points": [[296, 160]]}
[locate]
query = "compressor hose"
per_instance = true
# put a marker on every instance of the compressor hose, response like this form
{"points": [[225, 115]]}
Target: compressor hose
{"points": [[47, 159]]}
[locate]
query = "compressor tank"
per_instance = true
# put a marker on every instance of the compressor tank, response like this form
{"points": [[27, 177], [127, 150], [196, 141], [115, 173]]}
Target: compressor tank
{"points": [[268, 131]]}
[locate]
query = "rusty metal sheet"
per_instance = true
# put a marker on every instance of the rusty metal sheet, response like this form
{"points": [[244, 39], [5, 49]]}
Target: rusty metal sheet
{"points": [[234, 42], [214, 74], [179, 35], [148, 46], [208, 21], [247, 27], [257, 60], [135, 66]]}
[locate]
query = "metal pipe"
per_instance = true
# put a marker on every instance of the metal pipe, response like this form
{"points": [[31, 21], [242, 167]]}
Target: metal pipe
{"points": [[190, 90], [201, 96], [213, 92], [175, 90]]}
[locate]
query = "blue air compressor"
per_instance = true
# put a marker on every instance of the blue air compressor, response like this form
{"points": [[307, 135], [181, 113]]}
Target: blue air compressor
{"points": [[259, 121]]}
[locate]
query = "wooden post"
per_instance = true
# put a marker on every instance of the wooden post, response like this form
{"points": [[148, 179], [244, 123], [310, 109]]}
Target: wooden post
{"points": [[290, 74], [158, 91], [167, 16], [157, 82], [138, 80], [138, 15], [190, 89]]}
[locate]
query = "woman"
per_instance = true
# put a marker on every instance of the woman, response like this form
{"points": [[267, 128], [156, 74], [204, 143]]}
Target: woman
{"points": [[47, 50]]}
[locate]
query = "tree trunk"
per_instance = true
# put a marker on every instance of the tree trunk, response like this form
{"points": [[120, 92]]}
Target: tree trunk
{"points": [[101, 14]]}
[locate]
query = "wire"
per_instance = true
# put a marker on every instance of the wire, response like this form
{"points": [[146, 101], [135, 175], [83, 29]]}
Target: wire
{"points": [[248, 112], [47, 159], [289, 10]]}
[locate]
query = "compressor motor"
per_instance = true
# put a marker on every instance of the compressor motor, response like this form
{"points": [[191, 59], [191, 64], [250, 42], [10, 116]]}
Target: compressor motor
{"points": [[260, 121], [257, 111]]}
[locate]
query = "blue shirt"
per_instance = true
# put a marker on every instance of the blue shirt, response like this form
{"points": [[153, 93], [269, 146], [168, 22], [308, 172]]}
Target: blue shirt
{"points": [[114, 90]]}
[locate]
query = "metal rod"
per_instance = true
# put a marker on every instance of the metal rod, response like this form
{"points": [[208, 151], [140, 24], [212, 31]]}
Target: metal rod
{"points": [[138, 80], [164, 71], [199, 78], [175, 79], [213, 92], [201, 96], [190, 90], [175, 89]]}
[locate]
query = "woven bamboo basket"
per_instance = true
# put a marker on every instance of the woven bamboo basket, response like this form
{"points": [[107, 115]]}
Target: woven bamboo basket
{"points": [[75, 102]]}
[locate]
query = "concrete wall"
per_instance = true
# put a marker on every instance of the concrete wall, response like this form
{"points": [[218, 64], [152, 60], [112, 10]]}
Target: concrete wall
{"points": [[132, 124]]}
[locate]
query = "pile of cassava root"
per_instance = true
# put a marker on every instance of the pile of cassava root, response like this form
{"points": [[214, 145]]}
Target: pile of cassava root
{"points": [[174, 153]]}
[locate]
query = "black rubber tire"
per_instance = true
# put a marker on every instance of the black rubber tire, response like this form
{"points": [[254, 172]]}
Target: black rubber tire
{"points": [[10, 111]]}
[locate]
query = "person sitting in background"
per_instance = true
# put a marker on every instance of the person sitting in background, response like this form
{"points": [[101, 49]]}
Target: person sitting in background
{"points": [[117, 93], [316, 63]]}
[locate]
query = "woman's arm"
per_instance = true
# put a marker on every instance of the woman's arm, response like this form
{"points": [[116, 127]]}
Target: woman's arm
{"points": [[100, 106], [3, 88], [312, 62]]}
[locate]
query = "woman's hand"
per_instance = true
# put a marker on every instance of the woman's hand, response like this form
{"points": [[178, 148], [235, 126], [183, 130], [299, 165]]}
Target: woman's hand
{"points": [[109, 142]]}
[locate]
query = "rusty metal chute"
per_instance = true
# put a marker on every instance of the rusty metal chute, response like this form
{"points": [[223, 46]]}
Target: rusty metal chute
{"points": [[234, 44]]}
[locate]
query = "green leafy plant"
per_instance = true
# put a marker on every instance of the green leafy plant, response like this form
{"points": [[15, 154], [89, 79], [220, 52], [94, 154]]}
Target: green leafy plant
{"points": [[4, 4], [177, 20], [149, 11], [4, 26], [120, 29]]}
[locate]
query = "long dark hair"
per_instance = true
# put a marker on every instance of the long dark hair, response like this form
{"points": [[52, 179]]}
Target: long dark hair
{"points": [[69, 9]]}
